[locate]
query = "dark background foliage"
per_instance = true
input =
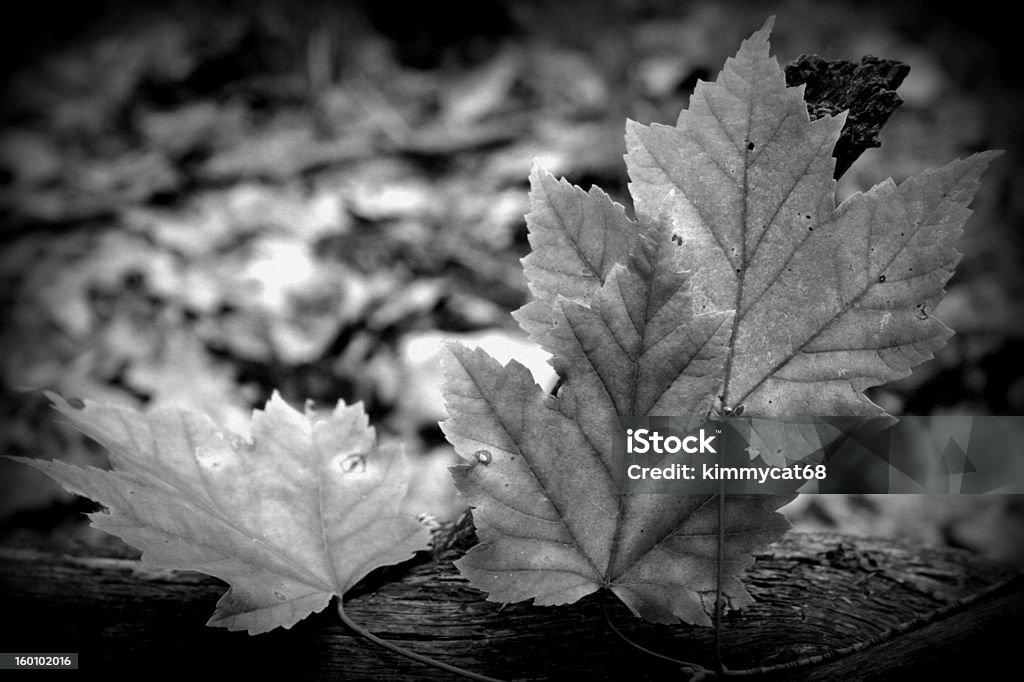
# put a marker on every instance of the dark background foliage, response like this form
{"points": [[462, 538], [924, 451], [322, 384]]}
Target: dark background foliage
{"points": [[202, 202]]}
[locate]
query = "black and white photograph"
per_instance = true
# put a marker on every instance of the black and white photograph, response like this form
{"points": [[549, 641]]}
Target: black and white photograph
{"points": [[512, 340]]}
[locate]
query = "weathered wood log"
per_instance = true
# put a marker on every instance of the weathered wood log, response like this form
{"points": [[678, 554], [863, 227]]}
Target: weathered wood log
{"points": [[815, 593]]}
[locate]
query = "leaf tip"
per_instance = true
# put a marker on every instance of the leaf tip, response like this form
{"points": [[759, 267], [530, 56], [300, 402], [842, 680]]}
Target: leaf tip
{"points": [[985, 159], [761, 35], [537, 171]]}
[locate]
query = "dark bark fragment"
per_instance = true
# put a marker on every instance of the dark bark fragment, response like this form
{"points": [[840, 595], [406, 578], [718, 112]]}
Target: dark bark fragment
{"points": [[867, 90]]}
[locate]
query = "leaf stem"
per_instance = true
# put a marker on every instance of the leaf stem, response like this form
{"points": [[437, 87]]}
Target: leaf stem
{"points": [[695, 668], [426, 660], [719, 573]]}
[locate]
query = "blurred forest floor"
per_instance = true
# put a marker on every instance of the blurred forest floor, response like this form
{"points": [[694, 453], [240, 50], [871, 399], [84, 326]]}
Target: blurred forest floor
{"points": [[207, 201]]}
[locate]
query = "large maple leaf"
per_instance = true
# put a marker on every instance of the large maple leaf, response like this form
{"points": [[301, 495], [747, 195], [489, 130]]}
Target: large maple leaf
{"points": [[289, 518], [794, 307]]}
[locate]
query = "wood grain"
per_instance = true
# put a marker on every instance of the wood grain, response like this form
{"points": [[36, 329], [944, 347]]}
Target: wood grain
{"points": [[815, 592]]}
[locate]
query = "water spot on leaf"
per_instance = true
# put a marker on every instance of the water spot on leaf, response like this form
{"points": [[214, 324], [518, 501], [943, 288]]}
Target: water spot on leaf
{"points": [[881, 278], [482, 456], [76, 403], [208, 458], [280, 596], [353, 464]]}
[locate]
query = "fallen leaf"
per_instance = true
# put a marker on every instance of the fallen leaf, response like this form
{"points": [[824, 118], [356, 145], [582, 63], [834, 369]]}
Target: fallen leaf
{"points": [[794, 307], [828, 300], [296, 514]]}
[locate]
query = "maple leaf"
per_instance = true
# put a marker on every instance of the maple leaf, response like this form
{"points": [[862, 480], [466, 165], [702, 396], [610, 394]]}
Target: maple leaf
{"points": [[828, 301], [794, 307], [289, 518], [576, 238]]}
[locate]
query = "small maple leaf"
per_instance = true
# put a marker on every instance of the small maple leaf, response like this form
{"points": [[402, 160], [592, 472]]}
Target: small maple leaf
{"points": [[740, 284], [296, 514]]}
